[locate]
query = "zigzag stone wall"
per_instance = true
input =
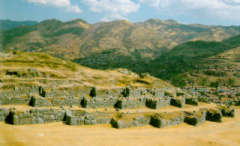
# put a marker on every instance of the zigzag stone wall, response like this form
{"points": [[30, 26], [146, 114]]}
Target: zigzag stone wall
{"points": [[116, 119]]}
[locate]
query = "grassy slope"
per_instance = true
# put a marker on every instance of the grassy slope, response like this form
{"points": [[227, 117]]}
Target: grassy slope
{"points": [[31, 68]]}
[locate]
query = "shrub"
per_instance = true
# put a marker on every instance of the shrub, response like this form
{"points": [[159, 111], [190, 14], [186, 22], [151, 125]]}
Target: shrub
{"points": [[42, 92], [119, 104], [192, 101], [191, 120], [156, 121], [93, 92], [126, 92], [214, 115], [151, 103], [84, 102]]}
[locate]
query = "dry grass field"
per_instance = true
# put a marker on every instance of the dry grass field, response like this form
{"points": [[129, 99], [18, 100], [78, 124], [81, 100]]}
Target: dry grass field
{"points": [[55, 134]]}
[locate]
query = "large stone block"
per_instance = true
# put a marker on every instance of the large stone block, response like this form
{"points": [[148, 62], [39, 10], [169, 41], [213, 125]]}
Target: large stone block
{"points": [[39, 101], [156, 103], [14, 100], [130, 120], [195, 118], [35, 116], [97, 102], [75, 117], [129, 103], [178, 102], [161, 120], [83, 118]]}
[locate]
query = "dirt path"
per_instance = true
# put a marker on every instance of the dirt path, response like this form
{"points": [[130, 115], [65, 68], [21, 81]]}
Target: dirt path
{"points": [[55, 134]]}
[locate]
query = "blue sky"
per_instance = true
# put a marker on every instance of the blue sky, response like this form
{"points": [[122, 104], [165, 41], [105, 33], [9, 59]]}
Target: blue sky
{"points": [[217, 12]]}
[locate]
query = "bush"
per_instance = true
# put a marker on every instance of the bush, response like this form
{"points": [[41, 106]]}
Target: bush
{"points": [[93, 92], [191, 120], [119, 104], [156, 121], [151, 103], [84, 102], [227, 111], [42, 92], [177, 102], [114, 123], [126, 92], [214, 115], [192, 101], [180, 93]]}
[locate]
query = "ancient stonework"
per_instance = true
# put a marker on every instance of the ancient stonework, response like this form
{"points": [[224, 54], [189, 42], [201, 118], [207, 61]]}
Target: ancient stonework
{"points": [[161, 120], [196, 117]]}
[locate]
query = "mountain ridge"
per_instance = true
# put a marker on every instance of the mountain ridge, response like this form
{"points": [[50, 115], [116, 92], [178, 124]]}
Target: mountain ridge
{"points": [[77, 39]]}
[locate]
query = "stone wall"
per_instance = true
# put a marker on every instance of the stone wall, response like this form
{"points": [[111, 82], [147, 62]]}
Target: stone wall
{"points": [[78, 117], [127, 103], [161, 120], [178, 102], [14, 100], [156, 103], [97, 102], [196, 117], [3, 114], [130, 120], [35, 116]]}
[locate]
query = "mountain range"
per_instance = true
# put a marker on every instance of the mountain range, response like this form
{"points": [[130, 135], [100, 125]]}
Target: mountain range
{"points": [[183, 54], [9, 24]]}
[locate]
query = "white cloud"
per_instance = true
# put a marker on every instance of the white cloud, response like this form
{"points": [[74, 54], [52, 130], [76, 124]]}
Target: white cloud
{"points": [[113, 9], [157, 3], [59, 3], [223, 9]]}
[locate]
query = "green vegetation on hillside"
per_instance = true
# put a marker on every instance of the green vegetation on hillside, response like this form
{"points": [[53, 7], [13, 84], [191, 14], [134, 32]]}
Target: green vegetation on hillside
{"points": [[78, 40], [9, 24], [200, 63]]}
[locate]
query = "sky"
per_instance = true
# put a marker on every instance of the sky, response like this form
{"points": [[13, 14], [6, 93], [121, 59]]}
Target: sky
{"points": [[209, 12]]}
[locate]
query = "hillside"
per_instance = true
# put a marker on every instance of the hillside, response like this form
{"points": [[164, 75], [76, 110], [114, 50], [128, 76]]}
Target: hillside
{"points": [[78, 39], [201, 63], [38, 69]]}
